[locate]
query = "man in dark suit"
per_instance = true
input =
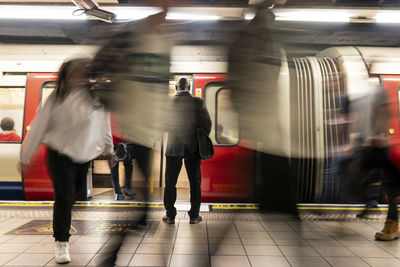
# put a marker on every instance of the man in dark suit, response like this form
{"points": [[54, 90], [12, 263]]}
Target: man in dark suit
{"points": [[189, 114]]}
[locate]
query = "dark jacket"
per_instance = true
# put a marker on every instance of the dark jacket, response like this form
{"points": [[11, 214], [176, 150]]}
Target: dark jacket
{"points": [[189, 114]]}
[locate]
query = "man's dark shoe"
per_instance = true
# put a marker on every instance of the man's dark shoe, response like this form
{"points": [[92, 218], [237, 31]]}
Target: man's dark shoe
{"points": [[168, 220], [195, 220], [129, 193]]}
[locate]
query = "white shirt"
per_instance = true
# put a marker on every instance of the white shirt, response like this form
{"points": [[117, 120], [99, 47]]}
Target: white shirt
{"points": [[77, 127]]}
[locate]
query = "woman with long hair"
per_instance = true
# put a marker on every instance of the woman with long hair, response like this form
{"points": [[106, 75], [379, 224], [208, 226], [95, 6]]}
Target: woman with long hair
{"points": [[75, 127]]}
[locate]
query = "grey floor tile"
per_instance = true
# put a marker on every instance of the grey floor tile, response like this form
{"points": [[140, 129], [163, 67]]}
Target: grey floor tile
{"points": [[357, 243], [150, 260], [383, 262], [258, 241], [190, 249], [248, 226], [189, 240], [277, 226], [160, 233], [346, 262], [192, 234], [15, 247], [4, 238], [227, 250], [262, 250], [159, 240], [41, 248], [31, 259], [231, 261], [154, 249], [334, 252], [82, 248], [325, 243], [254, 234], [291, 242], [4, 258], [274, 261], [284, 235], [370, 252], [307, 261], [26, 239], [298, 251], [316, 236], [92, 239], [190, 260], [76, 259]]}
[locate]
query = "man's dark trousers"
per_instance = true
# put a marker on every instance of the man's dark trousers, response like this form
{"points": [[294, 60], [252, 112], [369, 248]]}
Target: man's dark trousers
{"points": [[173, 168]]}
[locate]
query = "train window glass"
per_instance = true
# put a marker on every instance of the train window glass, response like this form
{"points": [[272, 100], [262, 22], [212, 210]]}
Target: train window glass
{"points": [[47, 89], [12, 101], [210, 92], [227, 124]]}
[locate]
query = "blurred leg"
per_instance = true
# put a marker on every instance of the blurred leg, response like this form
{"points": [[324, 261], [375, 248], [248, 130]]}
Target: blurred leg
{"points": [[128, 174], [115, 178], [194, 172], [172, 169], [63, 176]]}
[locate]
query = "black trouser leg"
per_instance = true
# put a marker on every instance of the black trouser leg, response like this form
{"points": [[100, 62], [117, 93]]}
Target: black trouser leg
{"points": [[172, 169], [192, 165], [128, 173], [392, 201], [64, 175], [115, 178]]}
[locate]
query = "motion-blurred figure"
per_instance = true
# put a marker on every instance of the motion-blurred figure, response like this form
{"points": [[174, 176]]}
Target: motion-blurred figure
{"points": [[189, 114], [76, 129], [124, 153], [254, 71], [130, 76], [8, 133]]}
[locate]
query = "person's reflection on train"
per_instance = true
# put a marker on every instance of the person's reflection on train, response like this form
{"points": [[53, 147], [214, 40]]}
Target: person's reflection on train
{"points": [[221, 138], [8, 133], [76, 129], [124, 153], [189, 114]]}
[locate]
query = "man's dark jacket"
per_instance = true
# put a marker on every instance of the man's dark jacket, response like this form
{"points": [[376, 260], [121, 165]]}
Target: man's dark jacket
{"points": [[189, 115]]}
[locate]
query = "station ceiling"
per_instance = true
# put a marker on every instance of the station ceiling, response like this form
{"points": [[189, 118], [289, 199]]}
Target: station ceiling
{"points": [[308, 35]]}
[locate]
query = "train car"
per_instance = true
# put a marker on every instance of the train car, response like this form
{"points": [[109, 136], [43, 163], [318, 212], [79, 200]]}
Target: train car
{"points": [[311, 89]]}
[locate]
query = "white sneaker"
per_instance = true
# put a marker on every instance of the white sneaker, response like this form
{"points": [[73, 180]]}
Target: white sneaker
{"points": [[62, 252]]}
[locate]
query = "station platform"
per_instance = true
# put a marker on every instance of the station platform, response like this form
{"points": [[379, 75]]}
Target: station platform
{"points": [[231, 235]]}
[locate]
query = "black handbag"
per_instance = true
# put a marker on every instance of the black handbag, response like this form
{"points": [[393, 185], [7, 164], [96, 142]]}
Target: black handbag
{"points": [[206, 147]]}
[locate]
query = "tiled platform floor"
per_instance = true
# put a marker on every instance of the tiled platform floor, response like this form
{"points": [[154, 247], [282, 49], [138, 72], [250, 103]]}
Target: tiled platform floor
{"points": [[216, 243]]}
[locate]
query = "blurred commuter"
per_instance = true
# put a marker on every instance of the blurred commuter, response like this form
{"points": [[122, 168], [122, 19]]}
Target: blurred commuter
{"points": [[374, 160], [263, 105], [8, 133], [189, 115], [76, 129], [124, 153], [131, 77]]}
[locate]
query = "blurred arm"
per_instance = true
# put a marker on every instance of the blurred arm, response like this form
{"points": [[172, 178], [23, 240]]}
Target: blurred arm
{"points": [[38, 130]]}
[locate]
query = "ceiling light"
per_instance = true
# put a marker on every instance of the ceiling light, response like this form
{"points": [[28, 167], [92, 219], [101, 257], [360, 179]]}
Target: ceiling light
{"points": [[313, 15], [188, 16], [384, 16], [39, 12]]}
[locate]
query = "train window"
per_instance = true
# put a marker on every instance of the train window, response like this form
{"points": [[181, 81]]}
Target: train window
{"points": [[225, 122], [12, 100], [47, 89]]}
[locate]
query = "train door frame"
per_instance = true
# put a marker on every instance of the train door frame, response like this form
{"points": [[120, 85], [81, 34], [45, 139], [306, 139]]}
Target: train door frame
{"points": [[229, 175]]}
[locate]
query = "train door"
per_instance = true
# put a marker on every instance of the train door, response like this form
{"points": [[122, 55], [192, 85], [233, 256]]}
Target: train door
{"points": [[37, 183], [12, 102], [392, 87], [229, 175]]}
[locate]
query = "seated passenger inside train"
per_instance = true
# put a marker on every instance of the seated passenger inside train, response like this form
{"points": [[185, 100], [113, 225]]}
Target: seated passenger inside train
{"points": [[8, 133]]}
